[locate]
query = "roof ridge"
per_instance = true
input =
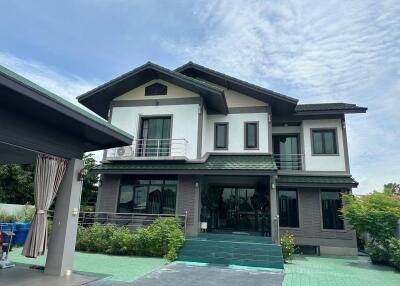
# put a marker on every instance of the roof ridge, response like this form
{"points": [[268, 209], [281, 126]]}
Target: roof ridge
{"points": [[148, 64], [195, 65]]}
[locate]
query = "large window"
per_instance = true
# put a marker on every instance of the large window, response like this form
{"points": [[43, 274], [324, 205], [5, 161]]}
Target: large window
{"points": [[148, 195], [155, 137], [221, 136], [288, 208], [331, 205], [324, 142], [251, 135]]}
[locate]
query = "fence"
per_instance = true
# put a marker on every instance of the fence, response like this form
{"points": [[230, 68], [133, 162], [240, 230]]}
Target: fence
{"points": [[130, 220]]}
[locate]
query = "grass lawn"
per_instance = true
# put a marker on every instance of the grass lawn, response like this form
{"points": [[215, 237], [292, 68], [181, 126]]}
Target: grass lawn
{"points": [[117, 268], [338, 271]]}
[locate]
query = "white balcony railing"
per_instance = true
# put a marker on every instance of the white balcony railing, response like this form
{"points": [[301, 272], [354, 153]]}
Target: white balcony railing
{"points": [[142, 149], [289, 161]]}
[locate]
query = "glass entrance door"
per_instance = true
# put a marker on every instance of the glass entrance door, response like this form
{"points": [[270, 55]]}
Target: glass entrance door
{"points": [[155, 137], [236, 208]]}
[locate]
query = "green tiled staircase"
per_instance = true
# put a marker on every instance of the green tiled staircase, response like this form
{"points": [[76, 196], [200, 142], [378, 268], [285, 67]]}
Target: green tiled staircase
{"points": [[232, 249]]}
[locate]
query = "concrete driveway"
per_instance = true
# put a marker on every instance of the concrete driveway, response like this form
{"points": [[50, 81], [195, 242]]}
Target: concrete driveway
{"points": [[176, 274]]}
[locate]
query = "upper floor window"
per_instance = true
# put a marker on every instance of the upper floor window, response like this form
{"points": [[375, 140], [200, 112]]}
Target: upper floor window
{"points": [[156, 89], [155, 137], [324, 142], [251, 135], [221, 136], [331, 204], [286, 149], [288, 208]]}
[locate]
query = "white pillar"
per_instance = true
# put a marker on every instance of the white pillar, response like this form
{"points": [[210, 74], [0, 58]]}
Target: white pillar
{"points": [[65, 221], [274, 209]]}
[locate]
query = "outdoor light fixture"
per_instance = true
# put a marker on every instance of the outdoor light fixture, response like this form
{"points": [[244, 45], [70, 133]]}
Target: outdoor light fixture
{"points": [[82, 174]]}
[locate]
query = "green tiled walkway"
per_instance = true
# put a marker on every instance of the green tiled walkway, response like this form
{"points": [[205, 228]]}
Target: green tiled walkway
{"points": [[332, 271], [117, 268]]}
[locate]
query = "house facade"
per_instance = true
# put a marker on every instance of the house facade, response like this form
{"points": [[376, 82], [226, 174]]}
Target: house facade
{"points": [[224, 151]]}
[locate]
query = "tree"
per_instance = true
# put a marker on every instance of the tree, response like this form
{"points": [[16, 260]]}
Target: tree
{"points": [[376, 214], [16, 184], [392, 188], [90, 182]]}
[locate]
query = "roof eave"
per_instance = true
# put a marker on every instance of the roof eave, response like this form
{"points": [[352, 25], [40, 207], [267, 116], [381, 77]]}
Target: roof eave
{"points": [[332, 112], [275, 95], [203, 88]]}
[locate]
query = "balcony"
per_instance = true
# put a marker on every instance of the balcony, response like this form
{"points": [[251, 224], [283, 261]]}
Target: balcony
{"points": [[150, 149], [289, 161]]}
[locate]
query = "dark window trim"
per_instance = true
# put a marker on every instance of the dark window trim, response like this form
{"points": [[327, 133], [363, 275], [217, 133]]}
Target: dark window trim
{"points": [[147, 89], [298, 207], [257, 147], [343, 229], [215, 135], [147, 177], [312, 130]]}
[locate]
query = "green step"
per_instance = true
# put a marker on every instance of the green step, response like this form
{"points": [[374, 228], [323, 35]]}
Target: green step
{"points": [[271, 251], [232, 249]]}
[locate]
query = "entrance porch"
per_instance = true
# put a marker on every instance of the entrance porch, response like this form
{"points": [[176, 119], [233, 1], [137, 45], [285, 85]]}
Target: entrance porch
{"points": [[236, 204]]}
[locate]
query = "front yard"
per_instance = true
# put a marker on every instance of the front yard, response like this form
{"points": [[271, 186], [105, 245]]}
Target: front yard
{"points": [[338, 271], [117, 268], [302, 271]]}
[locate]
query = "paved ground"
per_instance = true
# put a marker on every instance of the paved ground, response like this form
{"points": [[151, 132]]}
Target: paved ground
{"points": [[181, 274], [116, 268], [331, 271], [302, 271]]}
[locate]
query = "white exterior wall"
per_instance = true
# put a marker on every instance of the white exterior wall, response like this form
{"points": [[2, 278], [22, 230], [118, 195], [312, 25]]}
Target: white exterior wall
{"points": [[184, 121], [323, 162], [236, 132]]}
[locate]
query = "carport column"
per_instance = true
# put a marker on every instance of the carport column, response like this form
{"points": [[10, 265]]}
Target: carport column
{"points": [[65, 221], [274, 209]]}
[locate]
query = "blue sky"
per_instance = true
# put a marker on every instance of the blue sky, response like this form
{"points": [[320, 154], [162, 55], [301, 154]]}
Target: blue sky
{"points": [[317, 51]]}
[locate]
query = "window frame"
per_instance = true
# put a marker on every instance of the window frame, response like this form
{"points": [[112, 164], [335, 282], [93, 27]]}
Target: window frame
{"points": [[257, 139], [336, 143], [131, 180], [298, 208], [216, 124], [340, 191]]}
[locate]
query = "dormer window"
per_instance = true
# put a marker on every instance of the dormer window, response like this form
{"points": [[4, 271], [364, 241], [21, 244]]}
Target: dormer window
{"points": [[155, 89]]}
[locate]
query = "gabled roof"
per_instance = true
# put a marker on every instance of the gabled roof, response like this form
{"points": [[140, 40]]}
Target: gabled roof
{"points": [[214, 165], [280, 103], [328, 108], [27, 97], [99, 98]]}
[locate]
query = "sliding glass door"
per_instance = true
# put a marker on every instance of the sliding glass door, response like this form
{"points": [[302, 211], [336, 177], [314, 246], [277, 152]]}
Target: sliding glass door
{"points": [[155, 137], [286, 150]]}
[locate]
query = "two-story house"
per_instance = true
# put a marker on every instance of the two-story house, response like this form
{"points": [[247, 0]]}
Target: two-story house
{"points": [[227, 152]]}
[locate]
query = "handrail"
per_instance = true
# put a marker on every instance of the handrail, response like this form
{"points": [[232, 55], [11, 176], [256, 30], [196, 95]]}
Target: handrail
{"points": [[149, 148], [289, 161], [130, 220]]}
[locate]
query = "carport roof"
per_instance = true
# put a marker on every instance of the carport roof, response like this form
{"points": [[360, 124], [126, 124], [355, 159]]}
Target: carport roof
{"points": [[61, 101], [214, 165]]}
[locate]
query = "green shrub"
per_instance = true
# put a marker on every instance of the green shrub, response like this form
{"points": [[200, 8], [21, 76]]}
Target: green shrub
{"points": [[394, 250], [23, 215], [163, 238], [378, 253], [288, 246]]}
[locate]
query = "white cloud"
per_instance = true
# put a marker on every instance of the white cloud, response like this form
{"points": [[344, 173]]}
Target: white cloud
{"points": [[65, 85], [321, 51]]}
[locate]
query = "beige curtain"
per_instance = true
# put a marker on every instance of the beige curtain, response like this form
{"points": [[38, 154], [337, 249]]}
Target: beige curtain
{"points": [[49, 172]]}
